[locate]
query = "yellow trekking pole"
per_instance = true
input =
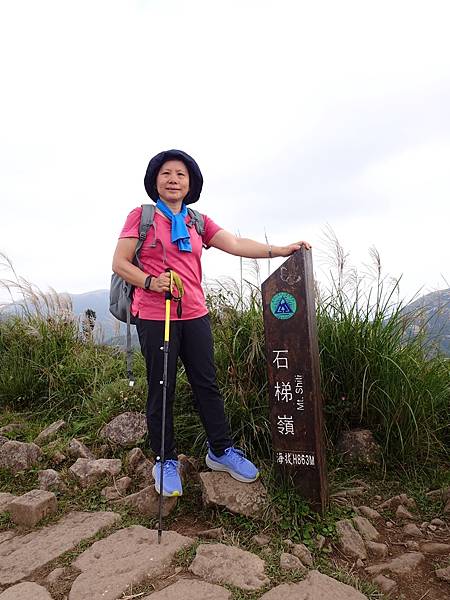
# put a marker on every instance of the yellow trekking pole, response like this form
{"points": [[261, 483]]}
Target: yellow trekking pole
{"points": [[175, 281]]}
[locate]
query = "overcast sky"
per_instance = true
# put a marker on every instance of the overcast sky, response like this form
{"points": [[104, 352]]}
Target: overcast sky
{"points": [[301, 115]]}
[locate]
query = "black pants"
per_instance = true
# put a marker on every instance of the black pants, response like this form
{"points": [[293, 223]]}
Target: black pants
{"points": [[192, 341]]}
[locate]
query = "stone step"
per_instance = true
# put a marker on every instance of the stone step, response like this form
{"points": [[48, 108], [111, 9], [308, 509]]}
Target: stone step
{"points": [[23, 554]]}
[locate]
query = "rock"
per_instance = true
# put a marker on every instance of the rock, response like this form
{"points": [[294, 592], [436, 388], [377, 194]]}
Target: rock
{"points": [[134, 458], [366, 529], [435, 548], [376, 549], [191, 589], [385, 584], [77, 449], [389, 524], [189, 468], [261, 540], [441, 494], [438, 523], [408, 502], [315, 586], [350, 540], [369, 513], [402, 513], [432, 528], [126, 558], [401, 565], [350, 493], [302, 552], [217, 563], [5, 499], [359, 563], [19, 456], [6, 535], [289, 562], [220, 489], [443, 574], [412, 529], [49, 432], [26, 591], [359, 446], [146, 502], [126, 429], [412, 545], [29, 509], [54, 575], [10, 428], [58, 458], [212, 534], [395, 501], [50, 480], [89, 472], [139, 466], [320, 541], [118, 490], [23, 554]]}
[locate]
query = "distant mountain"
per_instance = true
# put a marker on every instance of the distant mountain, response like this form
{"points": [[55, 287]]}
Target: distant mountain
{"points": [[108, 329], [432, 315]]}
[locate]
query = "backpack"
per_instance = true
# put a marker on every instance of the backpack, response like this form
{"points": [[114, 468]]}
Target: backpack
{"points": [[121, 292]]}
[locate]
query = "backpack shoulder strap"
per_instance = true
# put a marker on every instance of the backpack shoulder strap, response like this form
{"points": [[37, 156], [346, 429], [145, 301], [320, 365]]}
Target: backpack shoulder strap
{"points": [[197, 220], [147, 217]]}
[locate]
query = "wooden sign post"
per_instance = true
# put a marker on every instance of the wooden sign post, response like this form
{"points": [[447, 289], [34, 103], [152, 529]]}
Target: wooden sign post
{"points": [[295, 400]]}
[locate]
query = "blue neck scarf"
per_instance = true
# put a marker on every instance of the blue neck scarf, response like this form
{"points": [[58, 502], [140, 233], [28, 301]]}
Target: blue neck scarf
{"points": [[180, 233]]}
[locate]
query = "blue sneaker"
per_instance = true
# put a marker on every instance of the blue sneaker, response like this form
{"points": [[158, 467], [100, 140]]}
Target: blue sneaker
{"points": [[171, 478], [233, 462]]}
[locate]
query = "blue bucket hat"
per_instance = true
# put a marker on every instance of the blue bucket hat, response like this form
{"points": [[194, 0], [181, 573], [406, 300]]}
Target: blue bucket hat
{"points": [[195, 175]]}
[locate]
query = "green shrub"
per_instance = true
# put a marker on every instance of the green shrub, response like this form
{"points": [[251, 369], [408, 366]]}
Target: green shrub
{"points": [[44, 364], [372, 374], [376, 375], [241, 365]]}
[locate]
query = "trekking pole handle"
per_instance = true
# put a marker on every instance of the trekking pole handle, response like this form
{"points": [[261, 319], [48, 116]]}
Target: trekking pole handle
{"points": [[169, 293]]}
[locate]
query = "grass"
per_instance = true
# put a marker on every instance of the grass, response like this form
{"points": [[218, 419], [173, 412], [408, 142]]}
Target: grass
{"points": [[373, 375]]}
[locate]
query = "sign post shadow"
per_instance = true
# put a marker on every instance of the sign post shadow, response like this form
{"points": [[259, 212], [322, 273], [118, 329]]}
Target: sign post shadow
{"points": [[295, 401]]}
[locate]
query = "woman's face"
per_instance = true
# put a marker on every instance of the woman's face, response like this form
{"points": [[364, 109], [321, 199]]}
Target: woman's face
{"points": [[172, 181]]}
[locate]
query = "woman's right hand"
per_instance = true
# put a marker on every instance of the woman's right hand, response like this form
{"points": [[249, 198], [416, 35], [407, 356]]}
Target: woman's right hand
{"points": [[161, 283]]}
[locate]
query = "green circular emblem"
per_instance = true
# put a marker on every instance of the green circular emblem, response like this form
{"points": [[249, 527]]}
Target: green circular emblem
{"points": [[283, 305]]}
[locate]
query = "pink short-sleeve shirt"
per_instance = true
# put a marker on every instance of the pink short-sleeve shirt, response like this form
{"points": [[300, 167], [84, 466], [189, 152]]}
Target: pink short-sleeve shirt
{"points": [[151, 305]]}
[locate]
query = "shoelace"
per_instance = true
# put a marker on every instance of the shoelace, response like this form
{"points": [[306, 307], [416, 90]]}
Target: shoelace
{"points": [[170, 467], [235, 454]]}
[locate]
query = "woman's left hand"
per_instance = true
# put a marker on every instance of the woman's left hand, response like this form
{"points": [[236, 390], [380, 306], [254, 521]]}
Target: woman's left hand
{"points": [[291, 248]]}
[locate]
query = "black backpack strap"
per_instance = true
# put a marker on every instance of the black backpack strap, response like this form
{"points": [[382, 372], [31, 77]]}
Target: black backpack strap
{"points": [[130, 373]]}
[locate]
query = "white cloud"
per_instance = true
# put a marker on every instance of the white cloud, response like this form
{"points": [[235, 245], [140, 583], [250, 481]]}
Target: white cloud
{"points": [[299, 113]]}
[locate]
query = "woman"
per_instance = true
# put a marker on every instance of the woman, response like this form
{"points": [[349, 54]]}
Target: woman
{"points": [[173, 180]]}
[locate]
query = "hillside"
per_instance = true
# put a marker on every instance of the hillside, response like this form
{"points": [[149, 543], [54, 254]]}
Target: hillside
{"points": [[432, 313]]}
